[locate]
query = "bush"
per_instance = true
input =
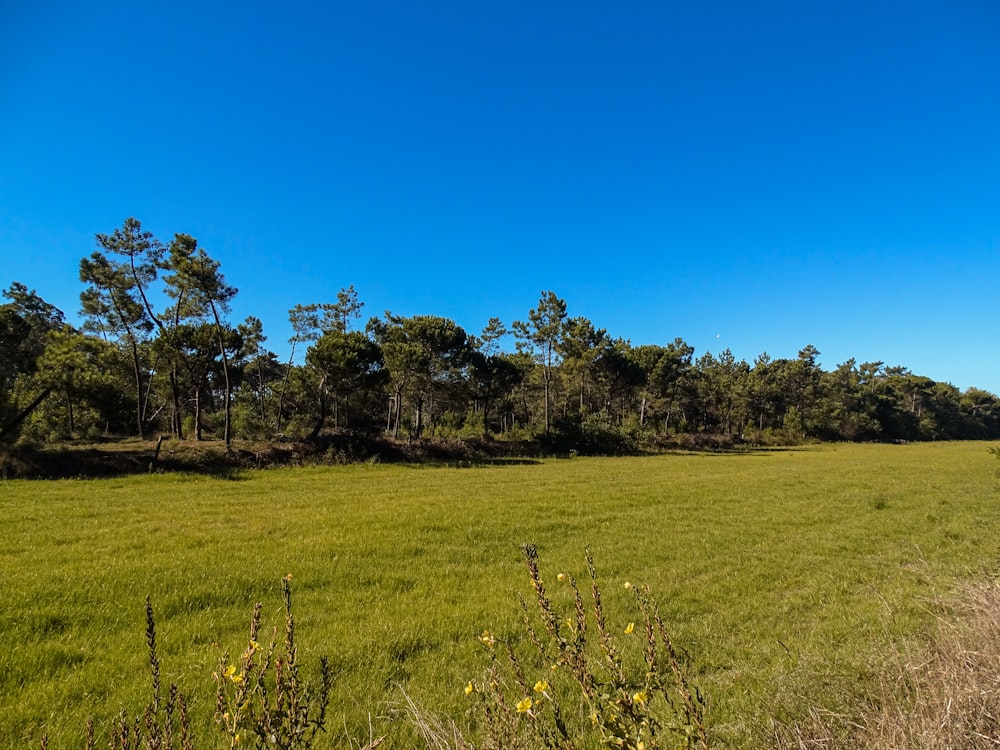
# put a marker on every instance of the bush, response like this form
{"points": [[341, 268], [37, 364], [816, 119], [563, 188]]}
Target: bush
{"points": [[593, 435]]}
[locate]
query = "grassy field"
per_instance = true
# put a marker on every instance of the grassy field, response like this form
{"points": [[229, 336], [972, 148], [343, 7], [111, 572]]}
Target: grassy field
{"points": [[787, 575]]}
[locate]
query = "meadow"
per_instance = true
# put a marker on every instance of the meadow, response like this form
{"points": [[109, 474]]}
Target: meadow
{"points": [[786, 575]]}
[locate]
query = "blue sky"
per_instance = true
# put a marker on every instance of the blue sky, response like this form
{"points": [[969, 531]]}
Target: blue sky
{"points": [[758, 176]]}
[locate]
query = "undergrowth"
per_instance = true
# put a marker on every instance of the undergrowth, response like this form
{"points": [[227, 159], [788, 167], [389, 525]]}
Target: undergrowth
{"points": [[260, 699]]}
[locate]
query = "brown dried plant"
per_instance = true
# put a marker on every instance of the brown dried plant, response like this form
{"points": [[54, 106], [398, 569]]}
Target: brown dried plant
{"points": [[941, 695]]}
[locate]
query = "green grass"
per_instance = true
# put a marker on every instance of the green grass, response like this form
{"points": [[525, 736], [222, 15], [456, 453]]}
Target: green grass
{"points": [[785, 574]]}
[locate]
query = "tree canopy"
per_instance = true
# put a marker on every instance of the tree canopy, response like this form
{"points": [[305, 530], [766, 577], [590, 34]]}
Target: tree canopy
{"points": [[158, 353]]}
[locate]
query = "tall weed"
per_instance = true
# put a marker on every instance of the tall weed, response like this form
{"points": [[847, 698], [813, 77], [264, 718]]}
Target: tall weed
{"points": [[260, 699], [580, 683], [163, 724]]}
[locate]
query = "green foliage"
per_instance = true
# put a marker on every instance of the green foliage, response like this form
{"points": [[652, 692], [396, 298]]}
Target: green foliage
{"points": [[593, 435], [541, 336], [25, 322], [423, 373], [83, 374], [349, 365], [424, 356], [492, 378]]}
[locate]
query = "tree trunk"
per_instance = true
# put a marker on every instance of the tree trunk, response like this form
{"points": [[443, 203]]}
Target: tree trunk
{"points": [[284, 382], [397, 412], [69, 409], [321, 418], [176, 419], [227, 430], [419, 417], [23, 414], [197, 414], [486, 419], [260, 390], [547, 377], [175, 388], [138, 387], [135, 365]]}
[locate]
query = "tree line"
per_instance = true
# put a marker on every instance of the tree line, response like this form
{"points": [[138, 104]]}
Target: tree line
{"points": [[158, 354]]}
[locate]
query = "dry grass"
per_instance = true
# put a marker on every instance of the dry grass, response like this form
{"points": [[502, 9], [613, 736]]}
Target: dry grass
{"points": [[436, 731], [945, 694]]}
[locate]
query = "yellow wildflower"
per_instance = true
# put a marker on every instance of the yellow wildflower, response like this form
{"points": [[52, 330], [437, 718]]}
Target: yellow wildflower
{"points": [[640, 698], [524, 706], [230, 671], [628, 585], [541, 686], [561, 576], [629, 628], [470, 688]]}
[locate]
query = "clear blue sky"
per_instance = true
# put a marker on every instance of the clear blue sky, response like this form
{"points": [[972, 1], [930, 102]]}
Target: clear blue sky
{"points": [[758, 176]]}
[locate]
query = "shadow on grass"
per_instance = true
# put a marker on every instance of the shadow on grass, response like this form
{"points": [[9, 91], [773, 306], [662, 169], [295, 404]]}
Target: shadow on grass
{"points": [[133, 457], [115, 458], [729, 452], [473, 463], [125, 457]]}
